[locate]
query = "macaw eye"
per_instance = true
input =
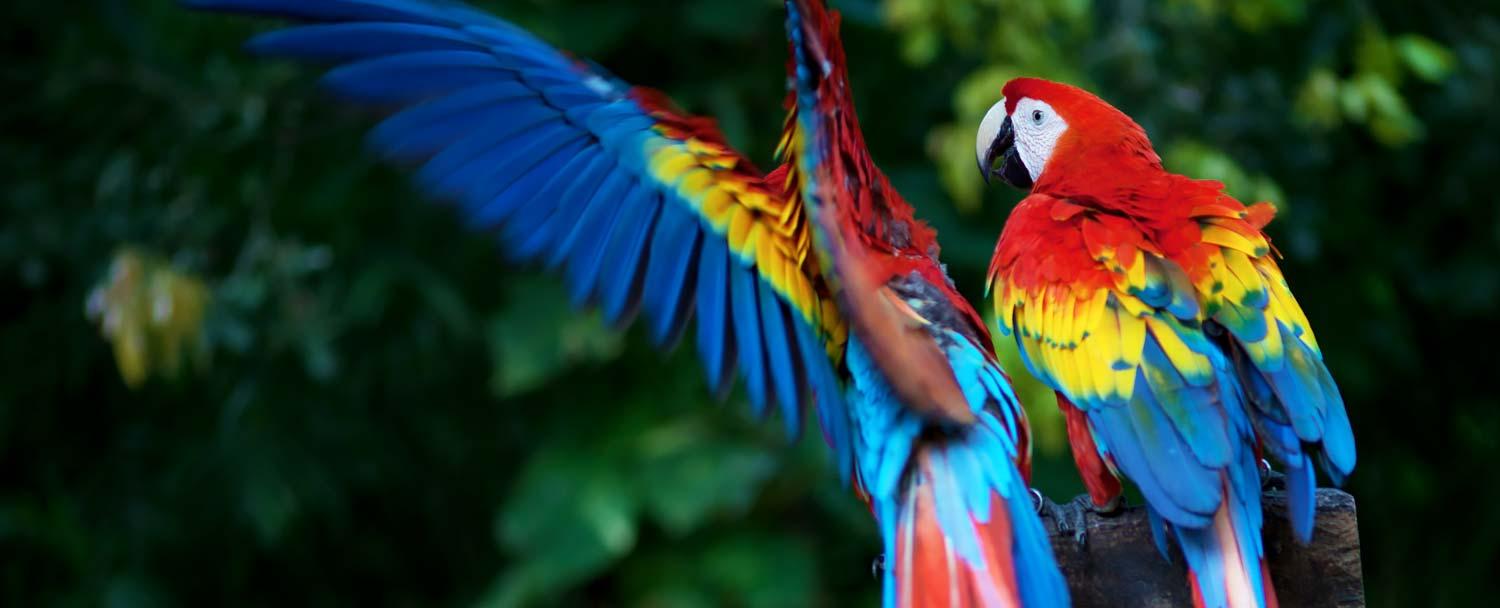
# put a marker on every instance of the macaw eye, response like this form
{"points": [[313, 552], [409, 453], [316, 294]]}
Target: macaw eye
{"points": [[1036, 117]]}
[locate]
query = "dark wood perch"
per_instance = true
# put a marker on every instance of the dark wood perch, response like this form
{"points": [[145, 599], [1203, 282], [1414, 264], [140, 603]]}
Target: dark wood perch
{"points": [[1119, 565]]}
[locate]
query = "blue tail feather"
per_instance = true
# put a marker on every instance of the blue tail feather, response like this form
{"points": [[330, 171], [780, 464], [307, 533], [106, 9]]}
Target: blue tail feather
{"points": [[969, 477], [1301, 504]]}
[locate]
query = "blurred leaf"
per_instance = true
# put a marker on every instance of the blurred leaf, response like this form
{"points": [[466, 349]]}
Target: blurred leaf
{"points": [[763, 570], [569, 516], [1318, 99], [1429, 60], [541, 335], [726, 18], [1198, 160], [1375, 56], [687, 475]]}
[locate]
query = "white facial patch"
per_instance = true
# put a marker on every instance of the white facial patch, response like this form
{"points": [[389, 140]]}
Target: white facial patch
{"points": [[1037, 127], [989, 129]]}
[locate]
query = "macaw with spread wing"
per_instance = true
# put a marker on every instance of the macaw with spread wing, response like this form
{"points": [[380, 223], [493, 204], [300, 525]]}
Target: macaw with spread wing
{"points": [[1152, 304], [814, 283]]}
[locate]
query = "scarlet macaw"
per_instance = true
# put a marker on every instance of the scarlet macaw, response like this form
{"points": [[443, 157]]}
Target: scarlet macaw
{"points": [[814, 280], [1152, 304]]}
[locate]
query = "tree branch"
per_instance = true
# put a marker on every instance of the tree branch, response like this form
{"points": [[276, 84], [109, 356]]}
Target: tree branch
{"points": [[1120, 566]]}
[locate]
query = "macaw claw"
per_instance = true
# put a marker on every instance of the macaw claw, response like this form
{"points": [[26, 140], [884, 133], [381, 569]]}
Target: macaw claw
{"points": [[1271, 479], [1072, 517]]}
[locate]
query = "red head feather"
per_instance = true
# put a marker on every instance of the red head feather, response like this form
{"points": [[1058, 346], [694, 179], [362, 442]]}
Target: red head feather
{"points": [[1103, 146]]}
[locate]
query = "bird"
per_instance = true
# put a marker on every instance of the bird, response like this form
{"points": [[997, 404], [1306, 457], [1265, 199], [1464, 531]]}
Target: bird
{"points": [[813, 283], [1153, 306]]}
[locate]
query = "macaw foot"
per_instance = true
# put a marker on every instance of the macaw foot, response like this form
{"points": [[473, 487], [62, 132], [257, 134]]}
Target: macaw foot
{"points": [[877, 565], [1072, 517], [1270, 479]]}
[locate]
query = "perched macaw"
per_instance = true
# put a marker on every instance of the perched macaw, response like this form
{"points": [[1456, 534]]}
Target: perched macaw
{"points": [[814, 282], [1152, 304]]}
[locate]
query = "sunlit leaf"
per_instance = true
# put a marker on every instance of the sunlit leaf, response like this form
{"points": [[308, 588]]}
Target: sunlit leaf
{"points": [[1427, 59]]}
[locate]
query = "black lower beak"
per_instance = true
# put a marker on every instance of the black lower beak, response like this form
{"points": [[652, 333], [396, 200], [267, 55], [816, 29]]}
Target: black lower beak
{"points": [[1010, 169]]}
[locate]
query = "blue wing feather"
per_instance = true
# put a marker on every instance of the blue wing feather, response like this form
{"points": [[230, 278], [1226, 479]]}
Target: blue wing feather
{"points": [[410, 77], [1115, 428], [351, 41], [745, 304], [591, 233], [482, 149], [620, 278], [672, 256], [330, 10], [530, 182], [427, 129], [785, 378], [716, 334], [1202, 426], [530, 226], [553, 152]]}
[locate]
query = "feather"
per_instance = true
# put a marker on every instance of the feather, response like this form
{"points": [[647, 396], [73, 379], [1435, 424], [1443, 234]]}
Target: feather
{"points": [[745, 304], [411, 77], [667, 291], [352, 41], [584, 245], [620, 277], [426, 129], [716, 333]]}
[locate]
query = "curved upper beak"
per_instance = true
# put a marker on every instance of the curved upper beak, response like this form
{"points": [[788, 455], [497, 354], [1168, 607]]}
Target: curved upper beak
{"points": [[995, 149], [1002, 146]]}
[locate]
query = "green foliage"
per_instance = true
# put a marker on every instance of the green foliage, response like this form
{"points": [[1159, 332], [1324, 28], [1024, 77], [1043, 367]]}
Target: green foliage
{"points": [[373, 408], [150, 313]]}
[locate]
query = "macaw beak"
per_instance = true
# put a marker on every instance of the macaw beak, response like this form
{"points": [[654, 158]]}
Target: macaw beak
{"points": [[1001, 159], [995, 149]]}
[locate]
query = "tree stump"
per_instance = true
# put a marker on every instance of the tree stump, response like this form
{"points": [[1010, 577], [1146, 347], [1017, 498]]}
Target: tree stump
{"points": [[1118, 565]]}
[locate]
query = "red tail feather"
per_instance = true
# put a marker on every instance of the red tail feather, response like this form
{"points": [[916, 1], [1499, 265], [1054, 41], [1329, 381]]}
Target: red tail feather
{"points": [[929, 571], [1233, 571]]}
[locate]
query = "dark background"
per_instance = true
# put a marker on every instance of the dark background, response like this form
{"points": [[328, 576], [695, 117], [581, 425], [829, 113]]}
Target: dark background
{"points": [[244, 365]]}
